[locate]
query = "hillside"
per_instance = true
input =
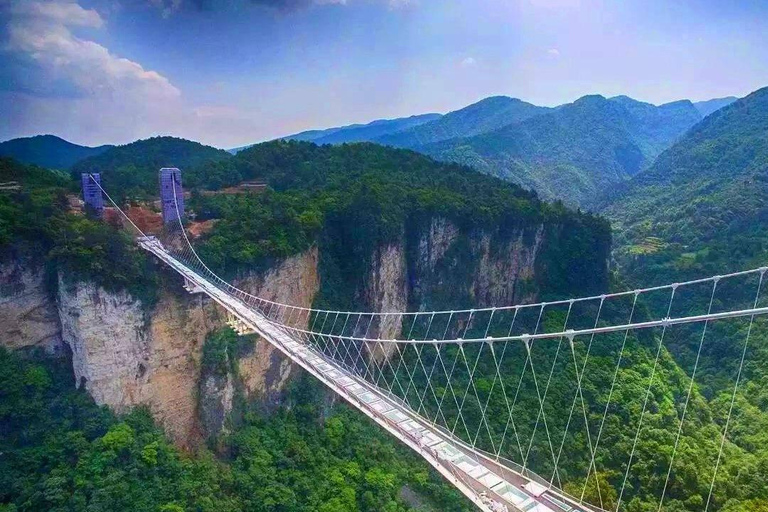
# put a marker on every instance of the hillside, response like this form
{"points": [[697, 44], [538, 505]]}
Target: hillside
{"points": [[704, 203], [367, 132], [484, 116], [355, 132], [48, 151], [372, 193], [707, 107], [576, 151], [132, 168]]}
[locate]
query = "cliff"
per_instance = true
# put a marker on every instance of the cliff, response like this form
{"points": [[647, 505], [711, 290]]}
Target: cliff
{"points": [[126, 355], [28, 315]]}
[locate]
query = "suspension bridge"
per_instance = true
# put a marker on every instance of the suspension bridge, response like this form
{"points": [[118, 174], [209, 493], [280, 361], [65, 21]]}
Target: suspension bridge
{"points": [[471, 390]]}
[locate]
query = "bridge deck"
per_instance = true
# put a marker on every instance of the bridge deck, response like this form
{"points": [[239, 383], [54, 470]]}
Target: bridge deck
{"points": [[493, 487]]}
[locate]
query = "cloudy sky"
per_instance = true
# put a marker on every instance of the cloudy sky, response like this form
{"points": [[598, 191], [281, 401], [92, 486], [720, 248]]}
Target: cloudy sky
{"points": [[231, 72]]}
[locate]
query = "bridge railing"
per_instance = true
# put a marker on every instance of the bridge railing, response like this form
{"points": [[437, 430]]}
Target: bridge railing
{"points": [[536, 387]]}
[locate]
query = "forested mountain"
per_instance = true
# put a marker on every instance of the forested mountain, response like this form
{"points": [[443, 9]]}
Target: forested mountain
{"points": [[132, 168], [703, 205], [481, 117], [709, 106], [349, 200], [356, 132], [365, 132], [576, 151], [48, 151], [572, 152], [306, 457]]}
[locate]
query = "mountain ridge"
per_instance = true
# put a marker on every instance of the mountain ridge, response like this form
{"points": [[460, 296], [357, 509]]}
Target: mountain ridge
{"points": [[479, 117], [707, 190], [48, 151], [574, 152]]}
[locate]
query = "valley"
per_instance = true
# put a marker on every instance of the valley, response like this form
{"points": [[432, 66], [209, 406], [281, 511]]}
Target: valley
{"points": [[179, 402]]}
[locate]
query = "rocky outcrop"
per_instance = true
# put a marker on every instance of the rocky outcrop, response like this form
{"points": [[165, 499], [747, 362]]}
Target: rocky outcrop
{"points": [[126, 356], [28, 315], [387, 291], [217, 394], [481, 268], [264, 371], [503, 272]]}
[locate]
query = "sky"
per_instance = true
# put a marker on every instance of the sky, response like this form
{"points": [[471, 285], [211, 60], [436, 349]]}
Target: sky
{"points": [[234, 72]]}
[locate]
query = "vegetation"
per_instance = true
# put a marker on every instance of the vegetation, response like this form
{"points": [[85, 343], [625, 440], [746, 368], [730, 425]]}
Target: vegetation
{"points": [[35, 223], [577, 151], [131, 170], [60, 452], [484, 116], [363, 132], [352, 199], [47, 151], [699, 210], [702, 206]]}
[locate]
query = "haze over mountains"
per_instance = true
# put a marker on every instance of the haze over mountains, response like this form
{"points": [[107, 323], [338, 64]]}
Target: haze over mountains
{"points": [[576, 152], [571, 152], [48, 151], [704, 200]]}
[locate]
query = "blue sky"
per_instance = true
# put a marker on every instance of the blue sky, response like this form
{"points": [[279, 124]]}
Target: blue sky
{"points": [[233, 72]]}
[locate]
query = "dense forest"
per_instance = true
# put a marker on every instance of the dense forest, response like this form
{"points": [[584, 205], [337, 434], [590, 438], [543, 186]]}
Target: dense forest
{"points": [[61, 452], [36, 223], [696, 211], [575, 152], [355, 198]]}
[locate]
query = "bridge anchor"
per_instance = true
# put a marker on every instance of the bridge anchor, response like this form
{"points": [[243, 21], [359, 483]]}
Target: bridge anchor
{"points": [[192, 287], [238, 325]]}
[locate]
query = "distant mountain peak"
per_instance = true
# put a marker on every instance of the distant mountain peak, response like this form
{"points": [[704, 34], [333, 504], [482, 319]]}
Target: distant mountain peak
{"points": [[48, 151], [709, 106], [593, 98]]}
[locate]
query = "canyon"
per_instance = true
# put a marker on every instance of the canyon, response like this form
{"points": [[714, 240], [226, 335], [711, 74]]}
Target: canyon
{"points": [[126, 354]]}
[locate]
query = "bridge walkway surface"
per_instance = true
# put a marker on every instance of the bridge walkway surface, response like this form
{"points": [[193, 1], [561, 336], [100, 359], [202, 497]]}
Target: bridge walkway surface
{"points": [[490, 484]]}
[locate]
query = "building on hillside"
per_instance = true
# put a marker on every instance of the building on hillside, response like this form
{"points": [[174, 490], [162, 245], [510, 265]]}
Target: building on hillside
{"points": [[170, 181], [253, 186], [92, 197]]}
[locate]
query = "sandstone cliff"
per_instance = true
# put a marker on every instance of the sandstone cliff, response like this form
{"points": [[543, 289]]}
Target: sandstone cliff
{"points": [[28, 316], [126, 355]]}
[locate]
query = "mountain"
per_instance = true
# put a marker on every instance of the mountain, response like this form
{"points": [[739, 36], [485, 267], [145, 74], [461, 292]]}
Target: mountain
{"points": [[48, 151], [356, 132], [704, 202], [130, 168], [484, 116], [709, 106], [576, 151], [653, 128], [371, 131]]}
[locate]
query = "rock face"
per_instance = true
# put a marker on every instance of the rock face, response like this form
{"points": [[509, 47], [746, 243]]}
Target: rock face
{"points": [[387, 292], [217, 395], [438, 266], [451, 268], [126, 355], [28, 316], [264, 371]]}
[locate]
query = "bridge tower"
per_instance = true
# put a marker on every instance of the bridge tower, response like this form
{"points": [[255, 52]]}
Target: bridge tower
{"points": [[94, 201], [170, 180]]}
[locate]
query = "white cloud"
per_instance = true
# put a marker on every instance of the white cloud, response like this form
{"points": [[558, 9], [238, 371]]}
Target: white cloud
{"points": [[553, 53], [40, 31], [468, 62], [95, 94], [66, 13], [167, 7], [398, 4]]}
